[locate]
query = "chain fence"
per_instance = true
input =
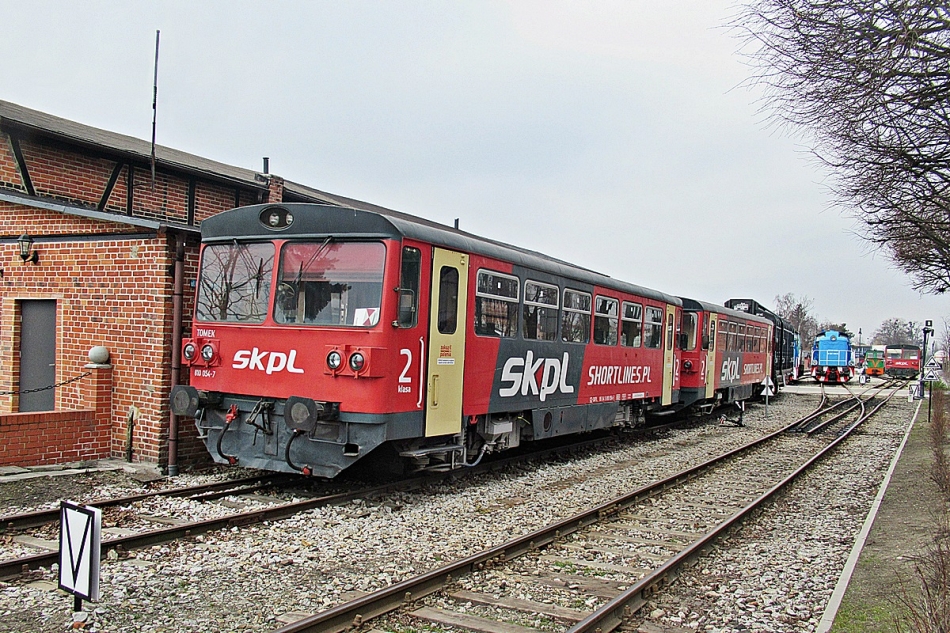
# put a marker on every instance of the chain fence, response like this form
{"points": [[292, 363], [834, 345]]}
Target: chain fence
{"points": [[59, 384]]}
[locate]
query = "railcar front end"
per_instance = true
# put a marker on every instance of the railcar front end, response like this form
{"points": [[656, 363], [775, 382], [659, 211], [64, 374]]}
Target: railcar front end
{"points": [[902, 361], [289, 363]]}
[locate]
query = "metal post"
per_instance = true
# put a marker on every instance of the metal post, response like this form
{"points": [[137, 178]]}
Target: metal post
{"points": [[923, 359]]}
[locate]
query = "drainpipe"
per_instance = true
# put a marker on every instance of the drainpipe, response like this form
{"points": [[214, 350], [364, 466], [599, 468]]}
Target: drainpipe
{"points": [[176, 351]]}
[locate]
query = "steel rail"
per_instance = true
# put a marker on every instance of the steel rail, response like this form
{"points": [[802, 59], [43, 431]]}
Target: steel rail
{"points": [[16, 566], [203, 492], [388, 599], [614, 612]]}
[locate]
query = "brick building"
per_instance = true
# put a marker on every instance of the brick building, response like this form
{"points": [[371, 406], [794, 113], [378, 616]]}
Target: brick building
{"points": [[112, 245]]}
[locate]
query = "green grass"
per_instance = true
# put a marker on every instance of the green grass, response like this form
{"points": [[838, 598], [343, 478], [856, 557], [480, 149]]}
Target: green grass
{"points": [[867, 618]]}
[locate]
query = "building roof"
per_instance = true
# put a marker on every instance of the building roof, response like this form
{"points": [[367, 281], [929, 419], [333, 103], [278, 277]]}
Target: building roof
{"points": [[15, 117]]}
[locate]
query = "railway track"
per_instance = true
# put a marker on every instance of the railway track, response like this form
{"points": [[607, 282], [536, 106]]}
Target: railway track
{"points": [[592, 571], [827, 414], [125, 530], [205, 492]]}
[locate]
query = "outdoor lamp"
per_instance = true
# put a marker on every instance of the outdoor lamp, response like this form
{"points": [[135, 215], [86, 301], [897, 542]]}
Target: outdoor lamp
{"points": [[27, 254]]}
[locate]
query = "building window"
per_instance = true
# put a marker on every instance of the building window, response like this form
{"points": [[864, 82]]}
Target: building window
{"points": [[496, 304], [540, 311], [606, 320], [575, 322], [632, 328]]}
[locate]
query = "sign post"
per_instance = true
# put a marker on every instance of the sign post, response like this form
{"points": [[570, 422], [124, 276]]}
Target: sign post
{"points": [[929, 374], [928, 329], [80, 540]]}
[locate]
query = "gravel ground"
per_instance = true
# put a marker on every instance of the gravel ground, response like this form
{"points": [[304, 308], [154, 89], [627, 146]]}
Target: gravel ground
{"points": [[779, 571]]}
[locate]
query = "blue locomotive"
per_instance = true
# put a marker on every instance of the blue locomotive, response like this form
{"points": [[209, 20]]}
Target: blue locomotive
{"points": [[831, 357]]}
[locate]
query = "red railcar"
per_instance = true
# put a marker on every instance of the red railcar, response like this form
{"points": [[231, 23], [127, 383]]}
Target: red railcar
{"points": [[902, 361], [727, 354], [322, 334]]}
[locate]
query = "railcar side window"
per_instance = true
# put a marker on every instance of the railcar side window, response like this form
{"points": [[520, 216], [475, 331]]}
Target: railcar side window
{"points": [[740, 337], [732, 344], [689, 330], [330, 283], [723, 335], [653, 328], [632, 328], [606, 320], [448, 300], [575, 322], [235, 281], [409, 287], [496, 304], [540, 311]]}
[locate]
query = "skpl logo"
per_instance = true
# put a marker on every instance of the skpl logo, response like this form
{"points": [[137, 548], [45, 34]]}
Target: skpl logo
{"points": [[254, 360], [541, 377], [730, 370]]}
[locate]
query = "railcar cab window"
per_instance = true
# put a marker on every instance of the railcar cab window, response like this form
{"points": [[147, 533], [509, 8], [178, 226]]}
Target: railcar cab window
{"points": [[234, 283], [632, 328], [575, 321], [653, 328], [409, 287], [688, 331], [330, 283], [606, 319], [496, 304], [540, 312]]}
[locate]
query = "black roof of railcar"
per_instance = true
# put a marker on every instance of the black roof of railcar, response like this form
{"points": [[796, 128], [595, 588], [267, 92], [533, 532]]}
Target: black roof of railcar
{"points": [[695, 304], [758, 309], [321, 220]]}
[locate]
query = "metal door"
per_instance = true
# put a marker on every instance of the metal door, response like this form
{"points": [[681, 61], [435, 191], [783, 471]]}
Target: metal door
{"points": [[711, 358], [669, 366], [447, 321], [37, 355]]}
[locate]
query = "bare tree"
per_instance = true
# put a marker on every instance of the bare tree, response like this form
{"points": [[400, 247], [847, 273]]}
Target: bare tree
{"points": [[871, 82], [898, 332], [797, 311], [837, 327]]}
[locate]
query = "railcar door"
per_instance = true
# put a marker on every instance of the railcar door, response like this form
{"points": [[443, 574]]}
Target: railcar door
{"points": [[669, 367], [447, 321], [711, 357]]}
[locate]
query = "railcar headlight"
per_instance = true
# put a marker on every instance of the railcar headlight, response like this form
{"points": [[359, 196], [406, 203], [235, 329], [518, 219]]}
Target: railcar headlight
{"points": [[207, 353], [189, 351], [687, 365], [334, 360], [357, 361]]}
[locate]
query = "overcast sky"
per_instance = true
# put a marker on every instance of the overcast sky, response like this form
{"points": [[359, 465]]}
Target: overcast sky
{"points": [[615, 135]]}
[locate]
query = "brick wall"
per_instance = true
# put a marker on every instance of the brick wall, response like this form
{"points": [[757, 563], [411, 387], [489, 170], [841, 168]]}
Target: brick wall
{"points": [[55, 437], [110, 290]]}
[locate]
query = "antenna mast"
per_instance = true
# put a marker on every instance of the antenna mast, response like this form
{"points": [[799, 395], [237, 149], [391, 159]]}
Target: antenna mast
{"points": [[154, 106]]}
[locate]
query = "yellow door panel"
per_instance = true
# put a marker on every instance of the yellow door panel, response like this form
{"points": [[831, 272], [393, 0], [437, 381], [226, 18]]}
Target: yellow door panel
{"points": [[446, 357], [668, 366], [711, 358]]}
